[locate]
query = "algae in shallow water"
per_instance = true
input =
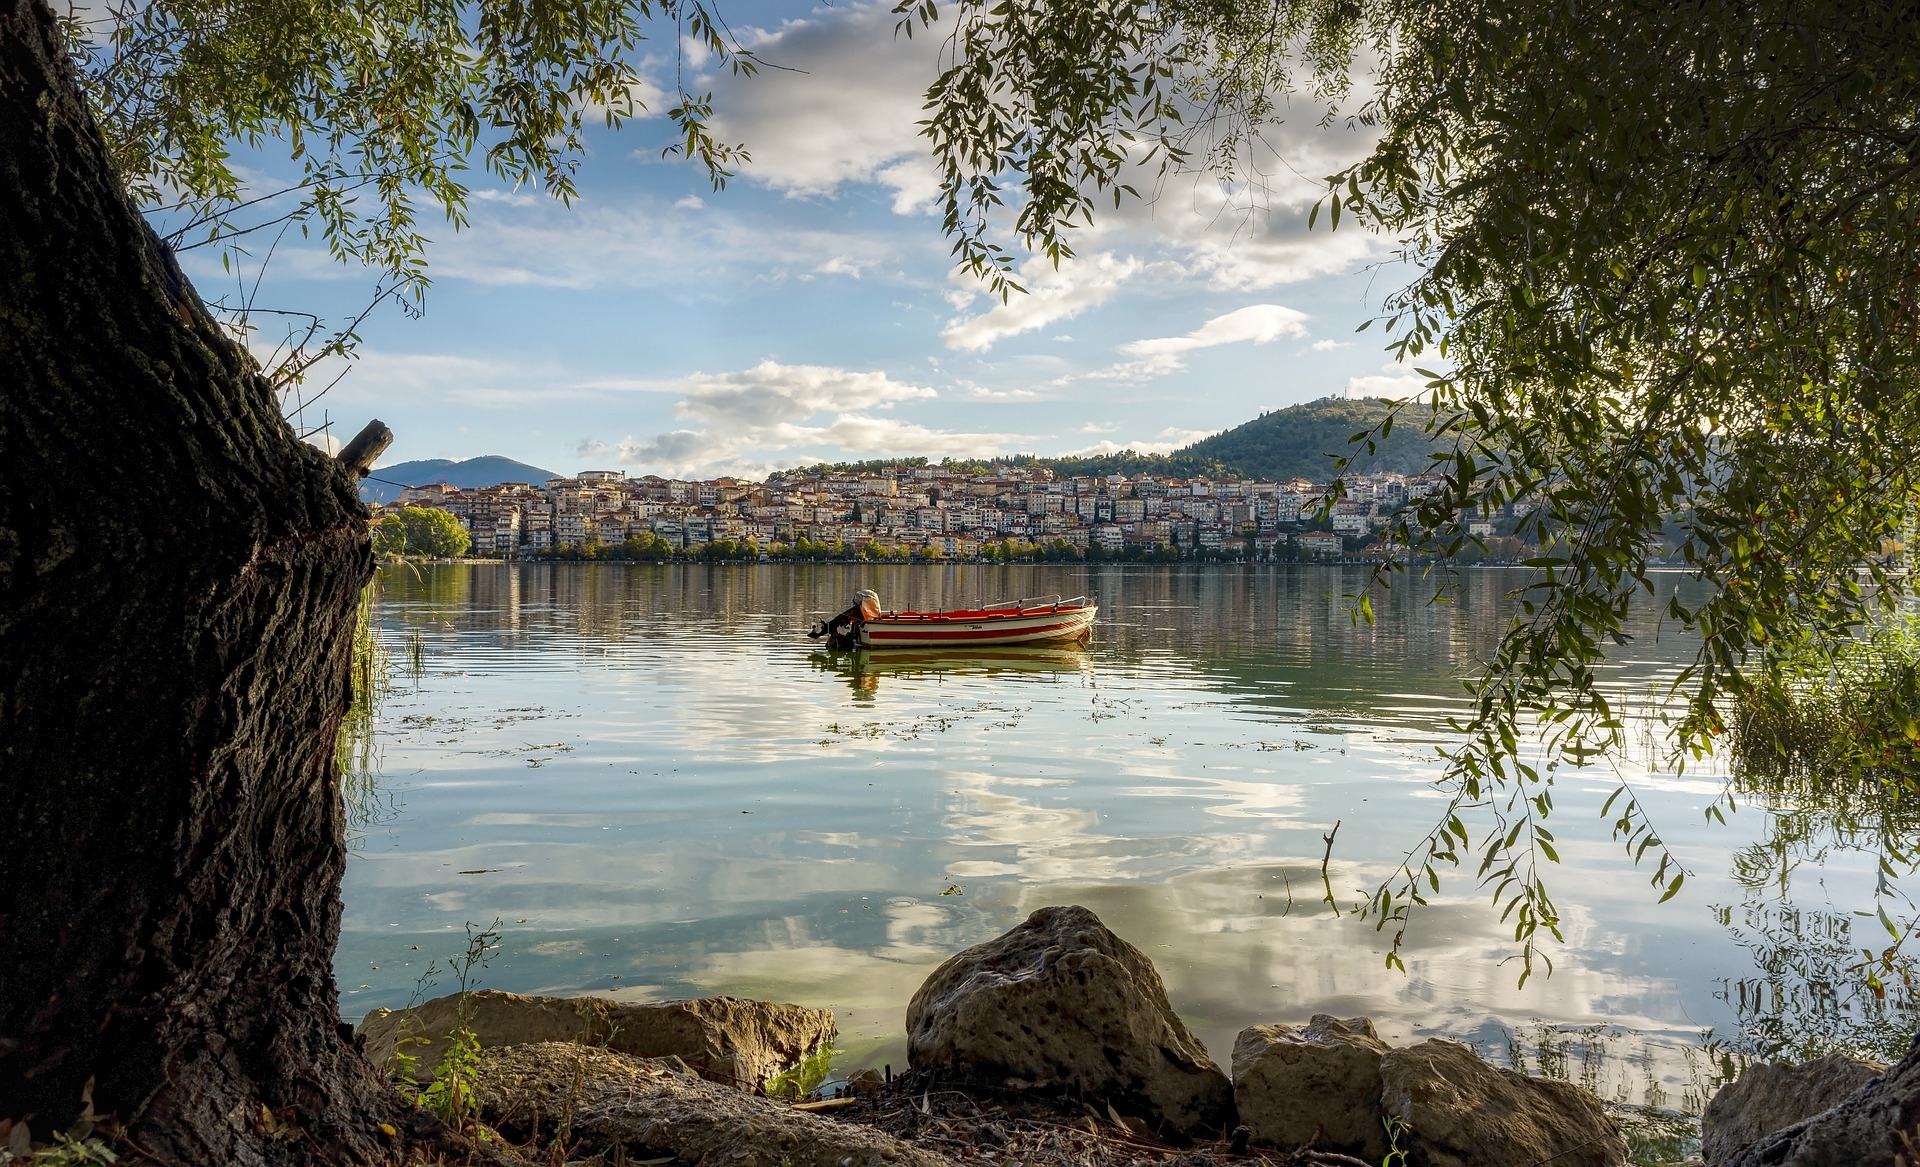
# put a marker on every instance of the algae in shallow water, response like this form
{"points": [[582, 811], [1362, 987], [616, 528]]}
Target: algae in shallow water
{"points": [[803, 1077]]}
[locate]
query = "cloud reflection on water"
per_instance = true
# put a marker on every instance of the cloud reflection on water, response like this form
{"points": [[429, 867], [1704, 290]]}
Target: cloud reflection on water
{"points": [[667, 794]]}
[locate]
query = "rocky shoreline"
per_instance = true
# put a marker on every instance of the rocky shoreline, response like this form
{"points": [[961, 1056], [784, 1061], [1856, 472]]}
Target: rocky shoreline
{"points": [[1055, 1044]]}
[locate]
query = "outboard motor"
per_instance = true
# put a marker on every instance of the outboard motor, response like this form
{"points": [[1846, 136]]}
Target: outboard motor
{"points": [[843, 631]]}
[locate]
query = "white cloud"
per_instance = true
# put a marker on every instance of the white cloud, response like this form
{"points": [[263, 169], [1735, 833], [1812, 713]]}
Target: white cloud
{"points": [[1394, 381], [1165, 442], [771, 393], [378, 382], [842, 107], [978, 392], [845, 107], [1262, 255], [885, 435], [1237, 240], [1052, 294], [1255, 324], [755, 419], [842, 265], [513, 198], [1327, 346], [631, 385], [1196, 231], [641, 244], [423, 372], [650, 100], [601, 240], [847, 113], [377, 378], [682, 452], [1159, 356]]}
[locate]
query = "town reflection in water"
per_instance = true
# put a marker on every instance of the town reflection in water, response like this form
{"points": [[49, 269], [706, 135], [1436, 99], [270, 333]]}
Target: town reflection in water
{"points": [[662, 788]]}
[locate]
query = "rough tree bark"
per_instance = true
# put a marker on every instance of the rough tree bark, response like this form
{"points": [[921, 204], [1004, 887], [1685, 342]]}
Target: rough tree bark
{"points": [[177, 582]]}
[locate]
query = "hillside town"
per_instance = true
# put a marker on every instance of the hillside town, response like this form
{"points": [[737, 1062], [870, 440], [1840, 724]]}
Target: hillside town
{"points": [[964, 512]]}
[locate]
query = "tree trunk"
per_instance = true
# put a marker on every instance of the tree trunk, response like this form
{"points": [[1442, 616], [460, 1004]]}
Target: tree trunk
{"points": [[178, 576]]}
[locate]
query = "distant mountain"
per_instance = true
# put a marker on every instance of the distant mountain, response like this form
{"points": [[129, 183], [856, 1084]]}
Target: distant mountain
{"points": [[466, 474], [1294, 442]]}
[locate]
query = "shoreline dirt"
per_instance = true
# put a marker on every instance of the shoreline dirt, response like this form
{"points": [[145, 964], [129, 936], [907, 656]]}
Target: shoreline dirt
{"points": [[979, 1127]]}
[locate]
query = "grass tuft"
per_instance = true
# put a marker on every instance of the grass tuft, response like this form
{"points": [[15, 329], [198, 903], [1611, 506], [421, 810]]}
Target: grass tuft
{"points": [[1854, 714]]}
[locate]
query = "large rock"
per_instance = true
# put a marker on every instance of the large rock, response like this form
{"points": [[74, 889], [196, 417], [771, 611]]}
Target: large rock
{"points": [[1062, 1004], [647, 1108], [727, 1039], [1877, 1125], [1461, 1112], [1318, 1084], [1768, 1098]]}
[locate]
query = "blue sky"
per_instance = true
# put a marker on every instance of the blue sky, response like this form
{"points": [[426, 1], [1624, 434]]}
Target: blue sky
{"points": [[810, 310]]}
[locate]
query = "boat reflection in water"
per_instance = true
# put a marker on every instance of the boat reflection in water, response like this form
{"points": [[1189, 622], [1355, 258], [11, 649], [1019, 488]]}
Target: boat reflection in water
{"points": [[863, 669]]}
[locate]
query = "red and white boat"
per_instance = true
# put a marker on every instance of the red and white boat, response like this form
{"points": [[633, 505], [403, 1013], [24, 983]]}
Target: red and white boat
{"points": [[1045, 620]]}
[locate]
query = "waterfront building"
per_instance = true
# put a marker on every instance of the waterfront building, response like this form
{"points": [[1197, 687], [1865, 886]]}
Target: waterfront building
{"points": [[935, 510]]}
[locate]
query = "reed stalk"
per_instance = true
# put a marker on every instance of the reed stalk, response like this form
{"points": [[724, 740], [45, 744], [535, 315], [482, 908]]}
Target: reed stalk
{"points": [[356, 749]]}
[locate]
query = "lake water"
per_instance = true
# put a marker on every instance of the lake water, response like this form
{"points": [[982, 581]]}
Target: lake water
{"points": [[662, 789]]}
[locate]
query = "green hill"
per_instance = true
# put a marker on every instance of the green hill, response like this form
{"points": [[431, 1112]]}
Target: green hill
{"points": [[1301, 441]]}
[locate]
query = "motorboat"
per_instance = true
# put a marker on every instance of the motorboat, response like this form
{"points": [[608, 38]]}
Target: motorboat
{"points": [[1034, 620]]}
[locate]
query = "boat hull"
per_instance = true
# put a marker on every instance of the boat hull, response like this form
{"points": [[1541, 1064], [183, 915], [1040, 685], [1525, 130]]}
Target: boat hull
{"points": [[978, 629]]}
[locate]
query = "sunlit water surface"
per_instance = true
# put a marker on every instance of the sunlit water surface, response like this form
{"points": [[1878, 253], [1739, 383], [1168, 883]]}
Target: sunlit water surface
{"points": [[660, 788]]}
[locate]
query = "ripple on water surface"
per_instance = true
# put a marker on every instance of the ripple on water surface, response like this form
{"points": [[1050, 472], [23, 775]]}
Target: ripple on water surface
{"points": [[661, 788]]}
